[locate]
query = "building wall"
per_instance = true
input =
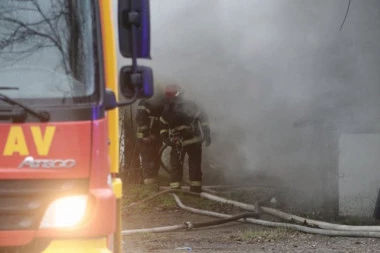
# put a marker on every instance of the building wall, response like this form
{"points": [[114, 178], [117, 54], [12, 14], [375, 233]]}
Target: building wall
{"points": [[359, 174]]}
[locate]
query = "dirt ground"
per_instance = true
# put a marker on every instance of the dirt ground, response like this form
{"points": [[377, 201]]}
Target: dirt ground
{"points": [[230, 237]]}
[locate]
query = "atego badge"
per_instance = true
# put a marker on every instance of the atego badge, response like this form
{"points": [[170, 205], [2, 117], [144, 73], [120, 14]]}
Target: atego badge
{"points": [[32, 163]]}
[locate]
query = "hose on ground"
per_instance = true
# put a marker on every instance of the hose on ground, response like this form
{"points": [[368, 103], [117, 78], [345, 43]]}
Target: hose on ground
{"points": [[270, 211], [290, 217], [228, 188], [225, 220], [187, 188], [189, 225], [300, 228], [155, 230], [246, 217], [167, 190]]}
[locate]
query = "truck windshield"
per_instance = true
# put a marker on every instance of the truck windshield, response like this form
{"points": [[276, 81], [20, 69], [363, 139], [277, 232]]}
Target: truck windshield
{"points": [[48, 50]]}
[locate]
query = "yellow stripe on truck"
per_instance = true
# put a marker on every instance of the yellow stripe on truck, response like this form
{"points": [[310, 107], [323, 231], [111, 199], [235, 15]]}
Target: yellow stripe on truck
{"points": [[111, 80], [110, 69]]}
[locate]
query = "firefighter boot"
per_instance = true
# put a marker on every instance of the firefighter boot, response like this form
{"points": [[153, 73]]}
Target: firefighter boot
{"points": [[195, 186]]}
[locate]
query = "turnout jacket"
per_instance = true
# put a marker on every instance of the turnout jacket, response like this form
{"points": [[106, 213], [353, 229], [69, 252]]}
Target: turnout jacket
{"points": [[184, 119]]}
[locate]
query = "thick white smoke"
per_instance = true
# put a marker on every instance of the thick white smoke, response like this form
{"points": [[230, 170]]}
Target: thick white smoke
{"points": [[257, 67]]}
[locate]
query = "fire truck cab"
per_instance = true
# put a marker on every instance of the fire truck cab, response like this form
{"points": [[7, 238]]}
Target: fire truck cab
{"points": [[59, 94]]}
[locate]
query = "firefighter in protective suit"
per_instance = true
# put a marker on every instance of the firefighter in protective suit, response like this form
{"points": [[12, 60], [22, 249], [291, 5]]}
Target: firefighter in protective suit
{"points": [[182, 123], [148, 136]]}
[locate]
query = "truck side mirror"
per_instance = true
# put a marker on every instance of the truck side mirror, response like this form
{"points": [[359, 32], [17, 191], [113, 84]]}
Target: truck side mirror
{"points": [[110, 101], [136, 84], [134, 42], [134, 28]]}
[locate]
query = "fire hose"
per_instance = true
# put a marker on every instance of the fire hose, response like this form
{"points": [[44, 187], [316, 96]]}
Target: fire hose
{"points": [[162, 164], [189, 225], [322, 228], [290, 217], [328, 232]]}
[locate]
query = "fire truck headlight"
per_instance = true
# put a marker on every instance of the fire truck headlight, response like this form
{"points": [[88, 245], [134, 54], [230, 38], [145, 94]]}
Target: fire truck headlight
{"points": [[65, 212]]}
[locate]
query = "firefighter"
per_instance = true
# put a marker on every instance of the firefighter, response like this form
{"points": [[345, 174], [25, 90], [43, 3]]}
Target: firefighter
{"points": [[182, 123], [148, 136]]}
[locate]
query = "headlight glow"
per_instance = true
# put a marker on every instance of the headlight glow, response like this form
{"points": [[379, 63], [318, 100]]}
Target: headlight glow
{"points": [[65, 212]]}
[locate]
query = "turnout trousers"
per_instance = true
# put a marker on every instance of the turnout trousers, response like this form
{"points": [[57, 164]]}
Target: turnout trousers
{"points": [[150, 160], [177, 155]]}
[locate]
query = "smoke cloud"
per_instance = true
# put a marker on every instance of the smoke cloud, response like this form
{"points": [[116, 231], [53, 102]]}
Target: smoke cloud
{"points": [[259, 67]]}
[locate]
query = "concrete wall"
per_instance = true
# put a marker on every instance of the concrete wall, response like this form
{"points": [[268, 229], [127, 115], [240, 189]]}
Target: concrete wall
{"points": [[359, 174]]}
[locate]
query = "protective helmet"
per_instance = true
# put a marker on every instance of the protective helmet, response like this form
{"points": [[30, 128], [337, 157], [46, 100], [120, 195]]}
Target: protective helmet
{"points": [[173, 90]]}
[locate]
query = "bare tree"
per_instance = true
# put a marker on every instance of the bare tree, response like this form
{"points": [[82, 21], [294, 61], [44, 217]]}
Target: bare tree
{"points": [[27, 26]]}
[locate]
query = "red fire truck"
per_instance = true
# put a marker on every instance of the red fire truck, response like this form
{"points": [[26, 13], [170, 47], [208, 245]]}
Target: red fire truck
{"points": [[59, 94]]}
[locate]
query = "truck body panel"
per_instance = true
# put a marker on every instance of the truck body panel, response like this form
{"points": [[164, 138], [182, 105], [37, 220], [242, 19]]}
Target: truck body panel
{"points": [[40, 150]]}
